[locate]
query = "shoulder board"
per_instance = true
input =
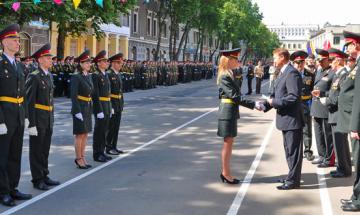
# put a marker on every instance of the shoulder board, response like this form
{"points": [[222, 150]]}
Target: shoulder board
{"points": [[35, 72]]}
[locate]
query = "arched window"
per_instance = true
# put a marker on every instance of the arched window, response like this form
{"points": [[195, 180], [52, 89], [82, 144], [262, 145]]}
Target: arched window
{"points": [[25, 44]]}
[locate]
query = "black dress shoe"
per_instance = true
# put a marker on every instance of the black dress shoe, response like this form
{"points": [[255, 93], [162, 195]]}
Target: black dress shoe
{"points": [[7, 200], [100, 158], [107, 157], [346, 201], [281, 180], [19, 195], [286, 186], [317, 161], [339, 175], [119, 151], [50, 182], [112, 152], [350, 207], [325, 165], [41, 186]]}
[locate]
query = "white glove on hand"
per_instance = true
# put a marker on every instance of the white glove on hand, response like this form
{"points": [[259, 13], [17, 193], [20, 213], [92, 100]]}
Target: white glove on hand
{"points": [[323, 100], [27, 123], [3, 129], [79, 116], [100, 115], [112, 111], [259, 106], [33, 131]]}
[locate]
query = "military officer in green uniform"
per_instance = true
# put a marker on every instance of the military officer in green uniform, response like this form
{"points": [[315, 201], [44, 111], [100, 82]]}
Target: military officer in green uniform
{"points": [[102, 107], [349, 114], [340, 139], [12, 117], [308, 78], [117, 103], [230, 99], [80, 92], [40, 105], [320, 112]]}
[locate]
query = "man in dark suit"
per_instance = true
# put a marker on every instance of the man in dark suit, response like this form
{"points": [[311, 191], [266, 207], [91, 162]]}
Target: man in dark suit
{"points": [[102, 107], [117, 103], [320, 112], [40, 104], [349, 113], [12, 117], [286, 99]]}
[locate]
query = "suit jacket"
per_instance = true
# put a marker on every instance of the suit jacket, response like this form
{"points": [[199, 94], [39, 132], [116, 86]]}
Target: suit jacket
{"points": [[101, 89], [116, 89], [12, 84], [323, 82], [355, 121], [228, 89], [287, 100], [40, 90]]}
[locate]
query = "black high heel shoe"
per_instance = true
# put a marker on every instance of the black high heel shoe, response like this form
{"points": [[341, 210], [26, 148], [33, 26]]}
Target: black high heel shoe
{"points": [[78, 165], [225, 180], [87, 165]]}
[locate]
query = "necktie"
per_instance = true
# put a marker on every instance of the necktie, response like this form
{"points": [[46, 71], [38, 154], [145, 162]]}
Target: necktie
{"points": [[14, 64]]}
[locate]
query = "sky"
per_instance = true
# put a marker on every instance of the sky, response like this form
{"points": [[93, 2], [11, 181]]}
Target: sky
{"points": [[310, 11]]}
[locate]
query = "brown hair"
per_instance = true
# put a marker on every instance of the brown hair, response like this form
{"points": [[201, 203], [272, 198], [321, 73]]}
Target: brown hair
{"points": [[282, 52]]}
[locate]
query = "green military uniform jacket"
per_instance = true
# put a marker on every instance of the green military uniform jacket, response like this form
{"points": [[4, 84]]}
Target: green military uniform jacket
{"points": [[12, 85], [116, 94], [355, 117], [345, 101], [101, 90], [40, 99], [333, 94], [228, 89]]}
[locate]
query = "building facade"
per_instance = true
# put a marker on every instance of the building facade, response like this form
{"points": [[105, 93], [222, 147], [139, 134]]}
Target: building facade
{"points": [[293, 37]]}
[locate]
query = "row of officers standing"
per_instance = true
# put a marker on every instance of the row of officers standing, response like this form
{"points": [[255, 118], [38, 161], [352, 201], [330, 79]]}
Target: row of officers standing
{"points": [[134, 74], [330, 99], [95, 86]]}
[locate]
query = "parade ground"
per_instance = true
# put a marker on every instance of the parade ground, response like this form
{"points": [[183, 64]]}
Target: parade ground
{"points": [[172, 164]]}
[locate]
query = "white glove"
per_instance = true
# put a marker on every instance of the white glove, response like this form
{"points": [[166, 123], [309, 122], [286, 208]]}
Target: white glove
{"points": [[100, 115], [112, 111], [3, 129], [33, 131], [27, 123], [259, 106], [323, 100], [79, 116]]}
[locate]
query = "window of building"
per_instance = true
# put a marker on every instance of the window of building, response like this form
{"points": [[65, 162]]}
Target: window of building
{"points": [[125, 20], [294, 46], [154, 27], [299, 46], [135, 22], [289, 46], [336, 41], [148, 26], [164, 30]]}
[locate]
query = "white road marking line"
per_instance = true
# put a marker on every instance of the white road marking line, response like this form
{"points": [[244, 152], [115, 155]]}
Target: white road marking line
{"points": [[71, 181], [235, 206], [324, 194]]}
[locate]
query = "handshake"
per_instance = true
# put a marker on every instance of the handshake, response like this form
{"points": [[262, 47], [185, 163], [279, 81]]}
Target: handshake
{"points": [[261, 105]]}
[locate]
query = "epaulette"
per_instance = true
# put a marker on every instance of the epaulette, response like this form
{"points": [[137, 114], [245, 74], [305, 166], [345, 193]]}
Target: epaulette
{"points": [[35, 72]]}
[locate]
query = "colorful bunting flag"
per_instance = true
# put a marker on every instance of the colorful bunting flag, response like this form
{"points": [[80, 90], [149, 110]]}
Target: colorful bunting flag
{"points": [[15, 6], [37, 1], [100, 3], [58, 2], [76, 3]]}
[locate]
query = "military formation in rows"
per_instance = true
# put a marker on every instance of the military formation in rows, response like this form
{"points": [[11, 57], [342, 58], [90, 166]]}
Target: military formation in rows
{"points": [[134, 74], [95, 86]]}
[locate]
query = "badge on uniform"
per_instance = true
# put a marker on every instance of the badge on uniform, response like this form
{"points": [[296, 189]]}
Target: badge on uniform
{"points": [[308, 82], [325, 79]]}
